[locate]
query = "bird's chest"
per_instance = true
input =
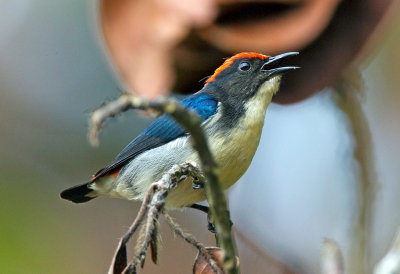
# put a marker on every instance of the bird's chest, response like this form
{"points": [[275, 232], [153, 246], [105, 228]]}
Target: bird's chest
{"points": [[234, 154], [234, 149]]}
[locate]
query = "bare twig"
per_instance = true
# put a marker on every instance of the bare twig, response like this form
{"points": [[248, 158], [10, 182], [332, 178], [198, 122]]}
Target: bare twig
{"points": [[191, 122], [120, 259], [189, 238], [153, 205], [390, 264], [349, 91], [145, 237], [332, 259]]}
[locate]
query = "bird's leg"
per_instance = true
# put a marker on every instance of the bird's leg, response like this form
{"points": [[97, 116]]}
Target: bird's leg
{"points": [[196, 183], [202, 208], [206, 210], [195, 174], [191, 240]]}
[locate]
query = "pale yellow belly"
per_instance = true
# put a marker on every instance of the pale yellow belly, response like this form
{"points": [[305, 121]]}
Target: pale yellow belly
{"points": [[233, 154]]}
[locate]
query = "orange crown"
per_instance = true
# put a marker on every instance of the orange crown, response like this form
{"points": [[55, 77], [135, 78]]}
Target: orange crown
{"points": [[230, 61]]}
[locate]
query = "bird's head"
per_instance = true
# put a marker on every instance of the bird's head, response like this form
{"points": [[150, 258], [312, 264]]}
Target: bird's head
{"points": [[248, 73]]}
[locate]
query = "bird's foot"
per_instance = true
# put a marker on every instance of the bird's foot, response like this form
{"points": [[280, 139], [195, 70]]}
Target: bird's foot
{"points": [[206, 210], [197, 184], [182, 178], [202, 208], [211, 227]]}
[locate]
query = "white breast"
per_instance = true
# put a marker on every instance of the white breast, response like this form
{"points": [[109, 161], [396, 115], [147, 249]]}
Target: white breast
{"points": [[234, 150]]}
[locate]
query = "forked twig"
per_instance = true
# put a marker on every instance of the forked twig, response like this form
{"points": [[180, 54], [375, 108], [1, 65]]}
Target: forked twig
{"points": [[189, 238], [192, 123], [120, 258], [153, 205]]}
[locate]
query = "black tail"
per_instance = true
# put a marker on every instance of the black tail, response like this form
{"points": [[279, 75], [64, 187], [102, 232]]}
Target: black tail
{"points": [[77, 194]]}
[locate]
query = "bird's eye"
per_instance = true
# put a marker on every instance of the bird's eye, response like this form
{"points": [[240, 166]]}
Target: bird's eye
{"points": [[244, 66]]}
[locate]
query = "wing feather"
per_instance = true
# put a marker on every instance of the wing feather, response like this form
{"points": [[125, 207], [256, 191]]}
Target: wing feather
{"points": [[163, 130]]}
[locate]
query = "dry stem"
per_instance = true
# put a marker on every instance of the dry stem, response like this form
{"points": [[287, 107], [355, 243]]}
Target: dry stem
{"points": [[349, 101], [120, 259], [153, 205], [189, 238]]}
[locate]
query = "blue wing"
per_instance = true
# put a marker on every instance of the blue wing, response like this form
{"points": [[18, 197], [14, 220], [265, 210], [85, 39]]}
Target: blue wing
{"points": [[163, 130]]}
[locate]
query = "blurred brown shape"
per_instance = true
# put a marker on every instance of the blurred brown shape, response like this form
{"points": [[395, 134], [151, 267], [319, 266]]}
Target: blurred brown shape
{"points": [[163, 45], [140, 35], [323, 57], [201, 265], [268, 26]]}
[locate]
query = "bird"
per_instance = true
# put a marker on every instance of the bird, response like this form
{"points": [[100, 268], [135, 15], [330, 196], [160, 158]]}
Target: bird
{"points": [[232, 105]]}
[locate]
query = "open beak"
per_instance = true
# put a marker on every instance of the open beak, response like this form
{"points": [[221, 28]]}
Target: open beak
{"points": [[271, 67]]}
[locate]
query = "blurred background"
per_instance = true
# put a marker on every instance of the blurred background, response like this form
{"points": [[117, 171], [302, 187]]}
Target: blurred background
{"points": [[59, 60]]}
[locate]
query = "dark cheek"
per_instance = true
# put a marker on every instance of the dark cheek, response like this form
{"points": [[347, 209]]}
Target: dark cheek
{"points": [[254, 86]]}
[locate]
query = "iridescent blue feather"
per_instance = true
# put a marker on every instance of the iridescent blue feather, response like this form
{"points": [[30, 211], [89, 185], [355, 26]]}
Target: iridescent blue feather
{"points": [[163, 130]]}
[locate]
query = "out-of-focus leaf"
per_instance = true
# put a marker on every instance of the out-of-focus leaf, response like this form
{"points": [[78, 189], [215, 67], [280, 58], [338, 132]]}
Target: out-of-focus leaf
{"points": [[202, 266]]}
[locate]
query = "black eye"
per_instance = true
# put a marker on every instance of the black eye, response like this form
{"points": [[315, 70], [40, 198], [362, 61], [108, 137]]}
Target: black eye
{"points": [[244, 66]]}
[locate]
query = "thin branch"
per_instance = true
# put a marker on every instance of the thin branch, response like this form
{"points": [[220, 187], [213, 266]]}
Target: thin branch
{"points": [[192, 123], [349, 90], [153, 205], [145, 237], [120, 258], [189, 238], [156, 207]]}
